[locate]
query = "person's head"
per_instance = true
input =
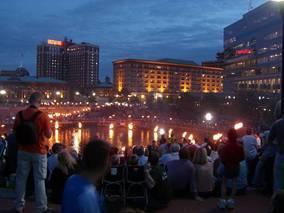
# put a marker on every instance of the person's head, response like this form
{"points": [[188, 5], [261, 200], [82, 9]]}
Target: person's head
{"points": [[184, 154], [175, 147], [35, 99], [66, 161], [154, 158], [200, 156], [96, 158], [115, 160], [140, 151], [133, 160], [232, 135], [191, 151], [163, 149], [249, 131], [134, 150], [57, 147]]}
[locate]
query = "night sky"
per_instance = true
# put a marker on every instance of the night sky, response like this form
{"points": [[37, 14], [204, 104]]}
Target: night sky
{"points": [[149, 29]]}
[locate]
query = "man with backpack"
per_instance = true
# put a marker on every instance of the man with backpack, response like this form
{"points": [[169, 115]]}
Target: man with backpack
{"points": [[32, 129]]}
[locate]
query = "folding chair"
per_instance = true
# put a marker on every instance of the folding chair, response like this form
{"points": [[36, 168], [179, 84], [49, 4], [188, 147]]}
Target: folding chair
{"points": [[135, 183], [114, 185]]}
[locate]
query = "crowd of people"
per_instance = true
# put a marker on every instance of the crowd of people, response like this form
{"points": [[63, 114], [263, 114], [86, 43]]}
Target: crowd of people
{"points": [[171, 168]]}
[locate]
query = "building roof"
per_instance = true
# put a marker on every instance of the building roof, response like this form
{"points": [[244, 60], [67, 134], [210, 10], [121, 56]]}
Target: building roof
{"points": [[30, 79], [104, 85], [167, 63], [19, 72], [178, 61], [266, 6]]}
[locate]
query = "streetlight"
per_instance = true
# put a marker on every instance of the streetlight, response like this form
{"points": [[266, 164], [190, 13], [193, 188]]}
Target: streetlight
{"points": [[208, 116], [77, 93], [3, 92], [281, 6]]}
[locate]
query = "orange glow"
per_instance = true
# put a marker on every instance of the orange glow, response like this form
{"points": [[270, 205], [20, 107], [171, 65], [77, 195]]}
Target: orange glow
{"points": [[55, 42], [130, 126], [238, 125], [217, 136], [56, 125]]}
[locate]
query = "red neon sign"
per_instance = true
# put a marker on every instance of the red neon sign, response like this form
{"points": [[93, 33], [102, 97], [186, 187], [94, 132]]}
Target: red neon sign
{"points": [[243, 52], [55, 42]]}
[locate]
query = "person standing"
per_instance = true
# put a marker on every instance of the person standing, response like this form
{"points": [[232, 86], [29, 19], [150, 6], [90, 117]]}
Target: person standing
{"points": [[250, 148], [231, 154], [276, 136], [32, 129]]}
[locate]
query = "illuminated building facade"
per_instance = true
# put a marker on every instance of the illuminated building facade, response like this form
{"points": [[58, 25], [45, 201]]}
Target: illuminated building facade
{"points": [[78, 64], [19, 88], [165, 76], [252, 51]]}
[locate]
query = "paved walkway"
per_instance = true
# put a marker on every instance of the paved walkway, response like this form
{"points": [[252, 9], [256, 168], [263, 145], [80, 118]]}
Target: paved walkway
{"points": [[252, 202]]}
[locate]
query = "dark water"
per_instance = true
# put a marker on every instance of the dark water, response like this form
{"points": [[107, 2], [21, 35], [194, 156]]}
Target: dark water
{"points": [[120, 136]]}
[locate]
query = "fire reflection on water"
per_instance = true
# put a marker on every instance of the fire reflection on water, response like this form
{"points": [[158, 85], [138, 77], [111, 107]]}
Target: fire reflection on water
{"points": [[129, 135], [130, 138]]}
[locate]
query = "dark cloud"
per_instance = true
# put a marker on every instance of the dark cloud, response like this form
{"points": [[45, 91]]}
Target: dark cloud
{"points": [[186, 29]]}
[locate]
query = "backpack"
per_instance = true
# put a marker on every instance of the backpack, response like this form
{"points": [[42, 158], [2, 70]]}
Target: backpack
{"points": [[26, 132]]}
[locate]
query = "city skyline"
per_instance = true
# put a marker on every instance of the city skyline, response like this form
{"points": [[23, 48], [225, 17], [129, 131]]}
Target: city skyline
{"points": [[159, 29]]}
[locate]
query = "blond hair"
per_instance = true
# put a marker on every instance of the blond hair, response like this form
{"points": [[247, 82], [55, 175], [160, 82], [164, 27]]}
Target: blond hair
{"points": [[66, 161], [200, 156]]}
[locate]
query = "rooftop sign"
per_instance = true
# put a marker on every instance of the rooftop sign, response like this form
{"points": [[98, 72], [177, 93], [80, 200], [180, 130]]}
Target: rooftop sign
{"points": [[244, 52], [55, 42]]}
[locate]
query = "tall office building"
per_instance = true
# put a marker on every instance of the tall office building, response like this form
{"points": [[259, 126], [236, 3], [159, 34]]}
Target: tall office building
{"points": [[170, 77], [51, 59], [83, 66], [252, 51], [78, 64]]}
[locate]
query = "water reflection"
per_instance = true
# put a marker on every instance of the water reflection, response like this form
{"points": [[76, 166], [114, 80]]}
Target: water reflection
{"points": [[56, 136], [111, 134], [77, 137], [127, 135], [130, 137], [156, 136]]}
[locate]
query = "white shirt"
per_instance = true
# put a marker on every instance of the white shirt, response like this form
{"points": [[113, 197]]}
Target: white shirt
{"points": [[250, 146]]}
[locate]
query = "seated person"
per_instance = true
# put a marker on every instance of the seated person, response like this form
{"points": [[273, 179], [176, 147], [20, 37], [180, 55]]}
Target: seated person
{"points": [[173, 155], [158, 187], [181, 175], [204, 173], [142, 159], [132, 160], [65, 168], [52, 160]]}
